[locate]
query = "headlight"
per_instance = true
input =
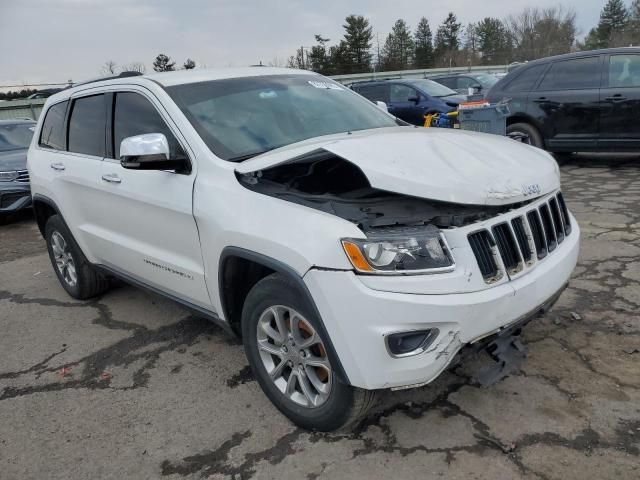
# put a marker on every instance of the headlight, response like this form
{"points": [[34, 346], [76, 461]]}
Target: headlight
{"points": [[400, 251], [9, 176]]}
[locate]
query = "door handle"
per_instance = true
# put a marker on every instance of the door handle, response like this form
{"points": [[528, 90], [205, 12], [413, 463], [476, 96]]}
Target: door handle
{"points": [[616, 98], [57, 166], [111, 178], [540, 100]]}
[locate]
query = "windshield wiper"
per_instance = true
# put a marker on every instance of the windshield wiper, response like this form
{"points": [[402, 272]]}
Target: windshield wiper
{"points": [[247, 156]]}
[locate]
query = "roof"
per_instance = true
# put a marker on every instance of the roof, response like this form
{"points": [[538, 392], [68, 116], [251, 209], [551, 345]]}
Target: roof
{"points": [[581, 53], [181, 77]]}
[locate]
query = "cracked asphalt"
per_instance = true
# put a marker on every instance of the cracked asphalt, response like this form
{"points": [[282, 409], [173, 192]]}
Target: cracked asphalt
{"points": [[133, 386]]}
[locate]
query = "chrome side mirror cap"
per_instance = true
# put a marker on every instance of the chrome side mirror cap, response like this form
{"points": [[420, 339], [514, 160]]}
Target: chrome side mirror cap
{"points": [[150, 151], [382, 106]]}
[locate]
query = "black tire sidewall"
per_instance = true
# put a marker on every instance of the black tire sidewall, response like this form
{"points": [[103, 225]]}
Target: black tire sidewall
{"points": [[276, 290], [55, 224], [535, 139]]}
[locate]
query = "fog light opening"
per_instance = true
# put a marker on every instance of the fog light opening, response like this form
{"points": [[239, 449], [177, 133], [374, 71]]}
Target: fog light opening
{"points": [[405, 344]]}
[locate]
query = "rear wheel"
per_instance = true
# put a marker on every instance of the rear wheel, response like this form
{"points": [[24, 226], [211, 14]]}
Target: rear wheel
{"points": [[525, 133], [288, 355], [76, 275]]}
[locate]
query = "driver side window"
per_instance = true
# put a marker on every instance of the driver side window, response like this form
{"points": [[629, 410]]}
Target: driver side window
{"points": [[402, 93], [133, 115]]}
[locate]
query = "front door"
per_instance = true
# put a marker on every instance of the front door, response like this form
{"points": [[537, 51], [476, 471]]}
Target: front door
{"points": [[620, 102], [566, 103], [151, 234], [404, 103]]}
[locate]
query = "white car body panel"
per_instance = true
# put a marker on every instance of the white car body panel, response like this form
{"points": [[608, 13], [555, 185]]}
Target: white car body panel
{"points": [[183, 223]]}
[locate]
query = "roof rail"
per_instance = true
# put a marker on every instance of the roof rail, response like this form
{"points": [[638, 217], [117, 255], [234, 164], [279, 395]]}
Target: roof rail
{"points": [[101, 79]]}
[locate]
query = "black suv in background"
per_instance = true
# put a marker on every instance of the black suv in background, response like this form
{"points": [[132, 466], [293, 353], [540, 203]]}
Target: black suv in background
{"points": [[584, 101], [462, 82]]}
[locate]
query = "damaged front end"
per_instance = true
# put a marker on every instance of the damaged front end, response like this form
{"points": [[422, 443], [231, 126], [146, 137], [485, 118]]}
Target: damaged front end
{"points": [[327, 182]]}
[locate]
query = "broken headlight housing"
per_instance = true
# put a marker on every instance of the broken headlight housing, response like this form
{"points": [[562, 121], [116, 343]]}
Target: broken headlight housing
{"points": [[400, 251]]}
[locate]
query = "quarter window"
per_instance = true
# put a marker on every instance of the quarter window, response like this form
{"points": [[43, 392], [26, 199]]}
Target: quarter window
{"points": [[134, 115], [52, 135], [579, 73], [624, 71], [87, 126], [375, 93]]}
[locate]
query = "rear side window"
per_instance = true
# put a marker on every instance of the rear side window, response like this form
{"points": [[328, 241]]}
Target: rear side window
{"points": [[401, 93], [134, 115], [447, 82], [624, 71], [87, 126], [52, 135], [526, 79], [575, 74], [375, 93]]}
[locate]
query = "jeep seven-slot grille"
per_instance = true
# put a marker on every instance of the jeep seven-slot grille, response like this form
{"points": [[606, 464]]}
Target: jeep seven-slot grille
{"points": [[481, 244], [542, 228], [23, 176], [506, 246]]}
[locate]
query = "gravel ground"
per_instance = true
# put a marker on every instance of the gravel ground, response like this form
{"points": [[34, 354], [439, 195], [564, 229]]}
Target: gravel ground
{"points": [[133, 386]]}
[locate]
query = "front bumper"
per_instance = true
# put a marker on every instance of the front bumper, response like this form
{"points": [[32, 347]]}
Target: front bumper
{"points": [[358, 318], [14, 196]]}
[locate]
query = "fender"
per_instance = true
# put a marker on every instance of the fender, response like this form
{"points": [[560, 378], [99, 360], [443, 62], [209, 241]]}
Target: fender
{"points": [[291, 274]]}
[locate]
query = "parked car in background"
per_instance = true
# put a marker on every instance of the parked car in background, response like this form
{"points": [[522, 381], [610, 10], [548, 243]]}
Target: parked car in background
{"points": [[410, 99], [350, 253], [15, 137], [467, 83], [583, 101]]}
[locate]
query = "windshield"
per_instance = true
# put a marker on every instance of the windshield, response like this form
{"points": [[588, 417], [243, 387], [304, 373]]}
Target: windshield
{"points": [[15, 136], [433, 88], [243, 117], [486, 80]]}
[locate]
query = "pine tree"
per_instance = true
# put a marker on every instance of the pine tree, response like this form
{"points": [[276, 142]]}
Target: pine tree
{"points": [[318, 56], [423, 39], [397, 53], [494, 41], [634, 22], [163, 63], [614, 19], [357, 39], [189, 64], [447, 42]]}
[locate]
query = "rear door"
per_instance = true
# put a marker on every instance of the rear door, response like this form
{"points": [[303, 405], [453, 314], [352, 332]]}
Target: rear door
{"points": [[75, 173], [403, 104], [151, 234], [566, 103], [620, 102]]}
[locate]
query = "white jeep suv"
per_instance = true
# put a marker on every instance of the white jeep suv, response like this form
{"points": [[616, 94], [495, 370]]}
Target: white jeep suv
{"points": [[351, 252]]}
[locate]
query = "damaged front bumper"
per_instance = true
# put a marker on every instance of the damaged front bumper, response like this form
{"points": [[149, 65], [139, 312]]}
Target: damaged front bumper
{"points": [[358, 318]]}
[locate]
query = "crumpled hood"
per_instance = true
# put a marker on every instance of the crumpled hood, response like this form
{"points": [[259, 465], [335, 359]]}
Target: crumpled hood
{"points": [[438, 164], [13, 160]]}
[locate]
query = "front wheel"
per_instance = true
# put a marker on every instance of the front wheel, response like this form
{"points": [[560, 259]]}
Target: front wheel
{"points": [[288, 356]]}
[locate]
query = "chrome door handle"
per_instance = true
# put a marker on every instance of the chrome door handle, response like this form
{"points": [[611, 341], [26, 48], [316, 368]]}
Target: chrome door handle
{"points": [[111, 178], [57, 166], [616, 98]]}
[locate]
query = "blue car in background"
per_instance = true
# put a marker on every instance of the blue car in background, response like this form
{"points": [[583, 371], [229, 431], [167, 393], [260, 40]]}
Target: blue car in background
{"points": [[410, 99]]}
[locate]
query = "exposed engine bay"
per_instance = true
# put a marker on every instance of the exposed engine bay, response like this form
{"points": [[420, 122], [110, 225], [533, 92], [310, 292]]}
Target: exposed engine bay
{"points": [[329, 183]]}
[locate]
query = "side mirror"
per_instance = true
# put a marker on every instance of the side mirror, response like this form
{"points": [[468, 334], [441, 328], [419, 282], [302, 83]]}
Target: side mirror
{"points": [[382, 106], [415, 99], [477, 88], [149, 151]]}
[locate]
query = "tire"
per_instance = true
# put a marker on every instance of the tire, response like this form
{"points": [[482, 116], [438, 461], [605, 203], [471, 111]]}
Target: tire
{"points": [[341, 404], [528, 134], [76, 275]]}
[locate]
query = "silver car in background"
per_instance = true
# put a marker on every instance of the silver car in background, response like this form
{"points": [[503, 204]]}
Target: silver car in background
{"points": [[15, 192]]}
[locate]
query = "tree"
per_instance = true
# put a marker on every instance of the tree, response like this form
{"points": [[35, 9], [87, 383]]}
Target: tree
{"points": [[163, 63], [357, 39], [634, 22], [318, 57], [189, 64], [612, 27], [109, 68], [538, 33], [136, 67], [494, 41], [423, 40], [447, 42], [398, 48]]}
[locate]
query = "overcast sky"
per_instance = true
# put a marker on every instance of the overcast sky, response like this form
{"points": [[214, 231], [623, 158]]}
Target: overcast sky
{"points": [[57, 40]]}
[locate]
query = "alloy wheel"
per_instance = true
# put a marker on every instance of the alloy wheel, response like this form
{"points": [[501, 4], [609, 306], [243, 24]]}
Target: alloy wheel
{"points": [[64, 261], [294, 356]]}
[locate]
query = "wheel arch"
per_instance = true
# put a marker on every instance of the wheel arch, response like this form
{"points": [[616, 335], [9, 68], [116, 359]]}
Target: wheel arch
{"points": [[44, 208], [240, 269]]}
